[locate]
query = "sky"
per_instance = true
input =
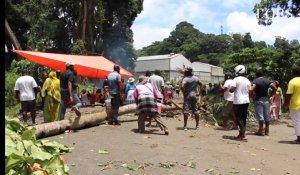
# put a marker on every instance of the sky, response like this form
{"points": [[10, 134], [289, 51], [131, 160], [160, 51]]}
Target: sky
{"points": [[160, 17]]}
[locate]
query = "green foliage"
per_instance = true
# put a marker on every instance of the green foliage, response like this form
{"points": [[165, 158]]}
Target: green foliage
{"points": [[10, 79], [23, 152], [78, 48], [62, 26], [198, 46], [275, 61], [264, 10], [29, 67]]}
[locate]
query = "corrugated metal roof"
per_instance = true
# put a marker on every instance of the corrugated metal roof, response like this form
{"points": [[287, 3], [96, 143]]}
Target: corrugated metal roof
{"points": [[157, 57]]}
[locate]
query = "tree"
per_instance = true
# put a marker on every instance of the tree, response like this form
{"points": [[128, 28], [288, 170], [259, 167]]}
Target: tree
{"points": [[12, 36], [247, 41], [237, 43], [268, 9], [260, 44], [101, 26]]}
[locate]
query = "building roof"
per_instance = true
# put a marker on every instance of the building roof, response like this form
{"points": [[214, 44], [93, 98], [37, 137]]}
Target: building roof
{"points": [[205, 64], [157, 57]]}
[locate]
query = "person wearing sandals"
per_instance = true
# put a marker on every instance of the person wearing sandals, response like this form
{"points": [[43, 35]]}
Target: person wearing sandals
{"points": [[189, 86], [260, 88], [241, 87], [145, 96], [292, 101]]}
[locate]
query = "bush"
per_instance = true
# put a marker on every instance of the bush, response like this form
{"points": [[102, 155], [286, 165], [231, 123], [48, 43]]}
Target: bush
{"points": [[10, 80], [24, 154], [31, 68]]}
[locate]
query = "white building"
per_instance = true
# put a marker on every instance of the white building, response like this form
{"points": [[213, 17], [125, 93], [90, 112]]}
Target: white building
{"points": [[170, 65], [202, 70], [208, 72]]}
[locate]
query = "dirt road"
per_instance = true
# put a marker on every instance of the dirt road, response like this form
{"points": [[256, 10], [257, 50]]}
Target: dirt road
{"points": [[202, 151]]}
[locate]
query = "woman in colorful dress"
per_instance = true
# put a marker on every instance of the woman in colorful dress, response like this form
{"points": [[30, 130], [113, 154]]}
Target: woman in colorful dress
{"points": [[275, 101], [51, 93]]}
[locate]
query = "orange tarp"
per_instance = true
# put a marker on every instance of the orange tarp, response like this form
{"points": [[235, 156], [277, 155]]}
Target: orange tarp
{"points": [[86, 66]]}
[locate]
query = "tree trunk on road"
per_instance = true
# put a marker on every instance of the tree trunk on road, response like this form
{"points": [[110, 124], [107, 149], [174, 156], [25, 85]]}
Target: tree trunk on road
{"points": [[49, 129]]}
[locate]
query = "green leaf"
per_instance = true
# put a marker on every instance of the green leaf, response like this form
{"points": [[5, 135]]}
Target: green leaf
{"points": [[14, 124], [166, 164], [103, 151], [29, 135], [133, 167], [12, 161], [40, 155]]}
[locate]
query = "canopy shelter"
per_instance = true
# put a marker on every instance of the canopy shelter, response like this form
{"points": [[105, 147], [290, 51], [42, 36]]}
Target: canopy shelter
{"points": [[86, 66]]}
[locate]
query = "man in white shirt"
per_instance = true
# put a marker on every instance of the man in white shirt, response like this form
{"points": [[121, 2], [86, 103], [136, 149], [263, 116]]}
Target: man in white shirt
{"points": [[228, 97], [158, 82], [26, 89], [241, 87]]}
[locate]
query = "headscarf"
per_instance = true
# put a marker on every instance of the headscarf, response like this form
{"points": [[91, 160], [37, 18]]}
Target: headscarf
{"points": [[51, 87]]}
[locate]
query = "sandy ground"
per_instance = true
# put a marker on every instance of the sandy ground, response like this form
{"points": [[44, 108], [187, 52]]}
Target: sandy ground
{"points": [[202, 151]]}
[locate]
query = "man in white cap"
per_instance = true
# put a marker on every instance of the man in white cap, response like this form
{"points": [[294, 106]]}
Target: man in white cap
{"points": [[241, 87], [68, 89]]}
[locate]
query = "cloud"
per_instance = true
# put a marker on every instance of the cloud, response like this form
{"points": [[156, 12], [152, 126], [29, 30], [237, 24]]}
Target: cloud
{"points": [[145, 34], [235, 4], [163, 16], [240, 22]]}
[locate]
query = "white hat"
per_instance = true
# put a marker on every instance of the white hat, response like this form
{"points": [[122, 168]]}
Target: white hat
{"points": [[130, 80], [240, 69]]}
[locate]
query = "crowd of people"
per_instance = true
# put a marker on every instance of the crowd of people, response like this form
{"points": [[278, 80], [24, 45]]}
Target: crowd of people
{"points": [[151, 91]]}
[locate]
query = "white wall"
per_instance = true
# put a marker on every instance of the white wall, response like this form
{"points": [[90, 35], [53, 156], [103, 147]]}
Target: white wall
{"points": [[174, 75], [201, 67], [151, 65], [179, 62], [217, 71]]}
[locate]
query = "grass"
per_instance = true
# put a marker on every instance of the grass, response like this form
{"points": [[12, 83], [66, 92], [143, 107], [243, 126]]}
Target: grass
{"points": [[13, 111]]}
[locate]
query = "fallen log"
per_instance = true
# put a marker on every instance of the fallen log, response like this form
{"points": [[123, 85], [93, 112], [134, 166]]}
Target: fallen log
{"points": [[53, 128]]}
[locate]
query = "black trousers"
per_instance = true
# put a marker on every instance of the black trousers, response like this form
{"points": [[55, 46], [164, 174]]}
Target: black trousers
{"points": [[241, 115]]}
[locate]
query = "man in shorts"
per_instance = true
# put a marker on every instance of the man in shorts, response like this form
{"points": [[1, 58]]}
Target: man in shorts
{"points": [[261, 101], [189, 86], [26, 89]]}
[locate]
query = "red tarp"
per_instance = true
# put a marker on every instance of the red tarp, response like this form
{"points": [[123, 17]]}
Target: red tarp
{"points": [[86, 66]]}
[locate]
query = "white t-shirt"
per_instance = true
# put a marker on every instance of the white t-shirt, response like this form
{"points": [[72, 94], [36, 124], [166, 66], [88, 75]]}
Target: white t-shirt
{"points": [[228, 96], [25, 85], [158, 83], [241, 94]]}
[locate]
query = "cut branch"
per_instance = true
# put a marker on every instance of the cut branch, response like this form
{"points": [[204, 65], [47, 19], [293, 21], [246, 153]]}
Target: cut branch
{"points": [[49, 129]]}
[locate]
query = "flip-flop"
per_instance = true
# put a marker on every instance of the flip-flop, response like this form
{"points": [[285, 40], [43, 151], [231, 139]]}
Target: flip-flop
{"points": [[241, 139], [259, 134]]}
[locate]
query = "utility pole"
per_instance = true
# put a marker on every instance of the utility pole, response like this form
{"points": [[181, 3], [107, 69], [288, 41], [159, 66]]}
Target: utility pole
{"points": [[221, 29]]}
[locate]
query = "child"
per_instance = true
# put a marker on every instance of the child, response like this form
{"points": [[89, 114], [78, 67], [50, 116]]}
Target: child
{"points": [[85, 97]]}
